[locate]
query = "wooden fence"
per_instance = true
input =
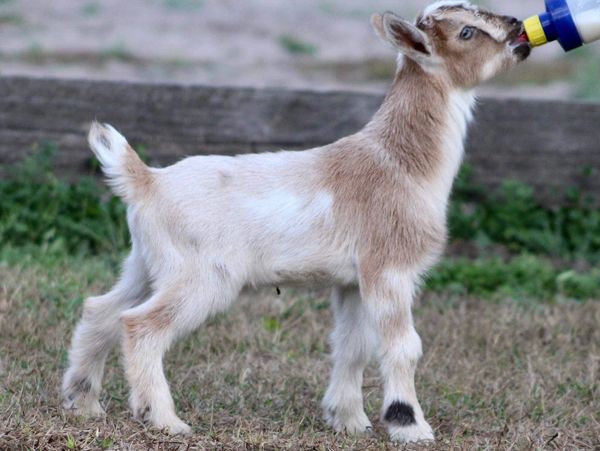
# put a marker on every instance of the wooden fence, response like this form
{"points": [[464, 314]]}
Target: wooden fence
{"points": [[551, 145]]}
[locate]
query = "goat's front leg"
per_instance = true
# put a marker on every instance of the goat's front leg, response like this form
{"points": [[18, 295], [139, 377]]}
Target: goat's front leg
{"points": [[353, 343], [388, 299]]}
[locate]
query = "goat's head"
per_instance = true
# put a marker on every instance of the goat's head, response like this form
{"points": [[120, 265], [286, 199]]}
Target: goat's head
{"points": [[456, 40]]}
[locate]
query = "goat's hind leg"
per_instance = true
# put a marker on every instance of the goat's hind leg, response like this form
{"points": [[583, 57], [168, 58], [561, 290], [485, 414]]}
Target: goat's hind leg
{"points": [[96, 334], [353, 342], [151, 328]]}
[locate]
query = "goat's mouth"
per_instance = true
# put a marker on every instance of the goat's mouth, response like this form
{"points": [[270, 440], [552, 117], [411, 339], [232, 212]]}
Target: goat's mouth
{"points": [[519, 43]]}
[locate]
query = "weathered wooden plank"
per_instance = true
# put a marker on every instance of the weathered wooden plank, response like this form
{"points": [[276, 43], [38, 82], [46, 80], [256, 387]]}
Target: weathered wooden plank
{"points": [[548, 144]]}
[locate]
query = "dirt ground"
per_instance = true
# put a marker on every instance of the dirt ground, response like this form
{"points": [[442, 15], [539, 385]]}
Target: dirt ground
{"points": [[504, 375], [317, 44]]}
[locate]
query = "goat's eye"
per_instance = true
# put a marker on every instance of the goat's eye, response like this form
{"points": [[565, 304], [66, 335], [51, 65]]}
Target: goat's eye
{"points": [[467, 33]]}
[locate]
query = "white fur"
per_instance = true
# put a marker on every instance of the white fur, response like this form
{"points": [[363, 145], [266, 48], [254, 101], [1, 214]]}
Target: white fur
{"points": [[214, 225], [460, 114], [353, 342], [431, 9], [207, 227], [111, 148], [499, 34], [490, 68]]}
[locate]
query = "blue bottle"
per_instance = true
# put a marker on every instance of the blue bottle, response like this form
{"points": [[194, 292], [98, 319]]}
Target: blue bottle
{"points": [[571, 22]]}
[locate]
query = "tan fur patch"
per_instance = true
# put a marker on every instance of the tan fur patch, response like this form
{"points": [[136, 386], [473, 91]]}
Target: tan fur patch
{"points": [[373, 176], [138, 172], [398, 322], [156, 320]]}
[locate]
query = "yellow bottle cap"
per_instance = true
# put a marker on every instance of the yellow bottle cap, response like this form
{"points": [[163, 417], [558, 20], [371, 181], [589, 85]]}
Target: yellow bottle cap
{"points": [[535, 31]]}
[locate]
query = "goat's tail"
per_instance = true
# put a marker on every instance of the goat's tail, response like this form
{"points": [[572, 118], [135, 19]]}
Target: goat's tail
{"points": [[126, 173]]}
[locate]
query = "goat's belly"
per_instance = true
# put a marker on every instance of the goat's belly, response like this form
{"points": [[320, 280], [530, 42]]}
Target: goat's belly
{"points": [[306, 271], [315, 278]]}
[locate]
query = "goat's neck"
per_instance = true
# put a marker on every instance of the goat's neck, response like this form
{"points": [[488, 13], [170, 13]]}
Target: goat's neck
{"points": [[422, 124]]}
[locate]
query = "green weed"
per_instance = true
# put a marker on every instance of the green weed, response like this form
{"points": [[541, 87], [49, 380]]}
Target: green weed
{"points": [[511, 216], [295, 46], [90, 9], [524, 277], [184, 5], [35, 53], [11, 19], [585, 78], [38, 208], [117, 52]]}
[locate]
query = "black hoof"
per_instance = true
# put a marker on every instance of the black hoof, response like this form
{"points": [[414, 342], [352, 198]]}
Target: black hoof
{"points": [[78, 387], [143, 414]]}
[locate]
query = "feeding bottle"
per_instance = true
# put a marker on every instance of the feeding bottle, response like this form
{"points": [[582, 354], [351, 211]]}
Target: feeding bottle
{"points": [[571, 22]]}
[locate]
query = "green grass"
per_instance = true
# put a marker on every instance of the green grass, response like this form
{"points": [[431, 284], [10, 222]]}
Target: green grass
{"points": [[584, 65], [587, 81], [90, 9], [184, 5], [523, 277], [11, 19], [511, 216], [295, 46], [38, 208], [493, 376], [118, 52]]}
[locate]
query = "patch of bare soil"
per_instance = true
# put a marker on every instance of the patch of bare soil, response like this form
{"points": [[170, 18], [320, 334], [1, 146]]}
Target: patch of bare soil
{"points": [[317, 44]]}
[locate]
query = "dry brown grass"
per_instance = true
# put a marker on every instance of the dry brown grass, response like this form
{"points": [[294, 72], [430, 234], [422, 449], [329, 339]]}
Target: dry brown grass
{"points": [[494, 376]]}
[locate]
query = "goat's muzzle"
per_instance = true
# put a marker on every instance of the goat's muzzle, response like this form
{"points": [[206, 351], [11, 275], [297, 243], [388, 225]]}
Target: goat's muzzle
{"points": [[522, 51], [519, 42]]}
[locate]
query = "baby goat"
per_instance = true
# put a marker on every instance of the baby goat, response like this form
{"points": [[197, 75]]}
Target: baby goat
{"points": [[366, 215]]}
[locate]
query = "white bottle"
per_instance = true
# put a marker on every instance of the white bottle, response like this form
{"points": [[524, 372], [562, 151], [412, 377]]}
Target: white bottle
{"points": [[586, 15]]}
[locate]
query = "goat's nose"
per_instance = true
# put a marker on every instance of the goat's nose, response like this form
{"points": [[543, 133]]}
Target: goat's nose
{"points": [[510, 20]]}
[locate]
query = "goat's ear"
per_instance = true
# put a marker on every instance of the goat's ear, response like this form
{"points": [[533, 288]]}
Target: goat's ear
{"points": [[403, 35]]}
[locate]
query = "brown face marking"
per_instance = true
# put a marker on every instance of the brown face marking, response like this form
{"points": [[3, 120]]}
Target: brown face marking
{"points": [[466, 60]]}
